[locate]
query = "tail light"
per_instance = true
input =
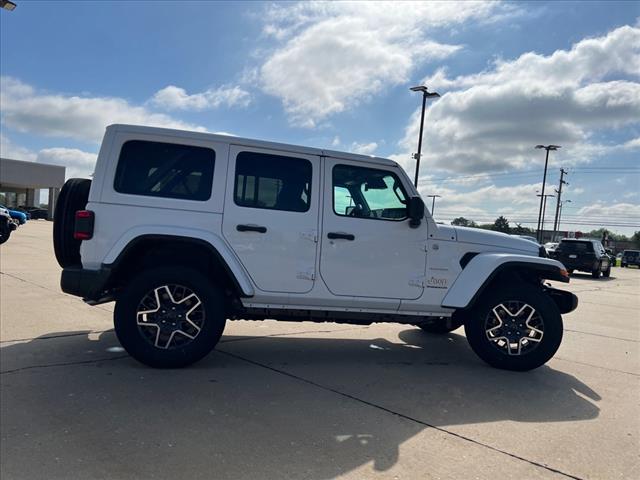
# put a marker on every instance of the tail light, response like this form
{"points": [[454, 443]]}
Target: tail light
{"points": [[83, 229]]}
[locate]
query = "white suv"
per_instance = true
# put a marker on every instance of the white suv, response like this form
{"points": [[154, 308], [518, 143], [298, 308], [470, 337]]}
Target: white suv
{"points": [[185, 230]]}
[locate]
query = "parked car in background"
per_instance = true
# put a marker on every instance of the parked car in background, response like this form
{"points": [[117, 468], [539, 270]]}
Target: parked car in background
{"points": [[630, 257], [551, 247], [36, 212], [6, 225], [16, 215], [584, 255]]}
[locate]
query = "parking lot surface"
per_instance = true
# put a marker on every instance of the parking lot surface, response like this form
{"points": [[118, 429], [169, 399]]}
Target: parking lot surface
{"points": [[281, 400]]}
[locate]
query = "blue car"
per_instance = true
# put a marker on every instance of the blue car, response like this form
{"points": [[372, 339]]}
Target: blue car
{"points": [[21, 217]]}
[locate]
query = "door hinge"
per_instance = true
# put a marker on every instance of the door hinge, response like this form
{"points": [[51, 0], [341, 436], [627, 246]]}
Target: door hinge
{"points": [[308, 275], [310, 235], [417, 281]]}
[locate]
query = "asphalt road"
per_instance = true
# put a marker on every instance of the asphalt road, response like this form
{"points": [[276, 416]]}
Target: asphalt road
{"points": [[308, 401]]}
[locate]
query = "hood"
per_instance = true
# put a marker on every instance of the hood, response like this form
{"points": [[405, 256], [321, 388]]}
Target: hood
{"points": [[496, 239]]}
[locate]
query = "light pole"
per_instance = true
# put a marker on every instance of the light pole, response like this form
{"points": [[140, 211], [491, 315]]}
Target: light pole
{"points": [[544, 180], [433, 202], [425, 95], [544, 211], [560, 212]]}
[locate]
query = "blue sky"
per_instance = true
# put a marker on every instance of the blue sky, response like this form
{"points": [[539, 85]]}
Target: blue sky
{"points": [[337, 75]]}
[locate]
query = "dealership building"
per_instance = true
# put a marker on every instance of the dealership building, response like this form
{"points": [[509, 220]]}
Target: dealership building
{"points": [[21, 183]]}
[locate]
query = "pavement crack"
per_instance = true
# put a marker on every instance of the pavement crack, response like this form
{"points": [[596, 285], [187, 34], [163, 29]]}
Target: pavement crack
{"points": [[601, 335], [306, 332], [64, 364], [51, 337], [596, 366], [398, 414]]}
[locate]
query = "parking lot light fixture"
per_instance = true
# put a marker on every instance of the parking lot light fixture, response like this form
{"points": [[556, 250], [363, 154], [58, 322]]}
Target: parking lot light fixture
{"points": [[8, 5], [544, 180], [425, 94]]}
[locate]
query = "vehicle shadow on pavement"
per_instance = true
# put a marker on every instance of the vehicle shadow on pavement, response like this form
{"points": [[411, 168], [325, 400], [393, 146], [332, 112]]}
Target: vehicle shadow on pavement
{"points": [[588, 276], [258, 407]]}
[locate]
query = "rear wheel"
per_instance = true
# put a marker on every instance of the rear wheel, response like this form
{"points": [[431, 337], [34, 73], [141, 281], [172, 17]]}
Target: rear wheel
{"points": [[607, 272], [515, 328], [73, 197], [169, 317], [596, 273], [440, 326]]}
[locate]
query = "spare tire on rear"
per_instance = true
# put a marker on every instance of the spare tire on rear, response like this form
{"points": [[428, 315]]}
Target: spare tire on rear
{"points": [[73, 197]]}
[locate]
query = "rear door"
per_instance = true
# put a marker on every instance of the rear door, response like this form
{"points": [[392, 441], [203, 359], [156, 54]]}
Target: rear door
{"points": [[271, 216], [368, 248]]}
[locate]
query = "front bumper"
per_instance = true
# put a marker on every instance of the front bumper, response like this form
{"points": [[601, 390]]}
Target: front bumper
{"points": [[566, 301], [88, 284]]}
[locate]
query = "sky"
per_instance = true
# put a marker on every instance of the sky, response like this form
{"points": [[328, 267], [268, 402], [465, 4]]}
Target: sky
{"points": [[337, 75]]}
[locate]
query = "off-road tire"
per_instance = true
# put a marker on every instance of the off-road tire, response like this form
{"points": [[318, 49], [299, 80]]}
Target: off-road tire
{"points": [[126, 317], [73, 197], [488, 351], [607, 272], [596, 273], [440, 326]]}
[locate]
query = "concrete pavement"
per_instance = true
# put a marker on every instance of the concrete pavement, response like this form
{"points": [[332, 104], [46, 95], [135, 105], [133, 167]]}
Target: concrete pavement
{"points": [[303, 400]]}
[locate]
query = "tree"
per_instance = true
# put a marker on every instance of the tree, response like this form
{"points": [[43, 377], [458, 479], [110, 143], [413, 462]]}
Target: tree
{"points": [[501, 225], [463, 222], [636, 239], [520, 230]]}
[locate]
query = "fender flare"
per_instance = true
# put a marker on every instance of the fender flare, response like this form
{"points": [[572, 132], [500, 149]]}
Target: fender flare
{"points": [[213, 242], [484, 267]]}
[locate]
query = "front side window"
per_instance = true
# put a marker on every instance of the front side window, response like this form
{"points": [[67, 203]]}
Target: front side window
{"points": [[169, 170], [368, 193], [272, 182]]}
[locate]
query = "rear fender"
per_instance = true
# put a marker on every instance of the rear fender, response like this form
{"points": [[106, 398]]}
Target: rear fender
{"points": [[482, 269], [214, 242]]}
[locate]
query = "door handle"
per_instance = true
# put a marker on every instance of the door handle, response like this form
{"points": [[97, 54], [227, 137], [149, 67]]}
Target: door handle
{"points": [[251, 228], [344, 236]]}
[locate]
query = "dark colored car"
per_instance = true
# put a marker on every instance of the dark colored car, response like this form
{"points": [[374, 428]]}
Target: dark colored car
{"points": [[36, 213], [630, 257], [585, 256]]}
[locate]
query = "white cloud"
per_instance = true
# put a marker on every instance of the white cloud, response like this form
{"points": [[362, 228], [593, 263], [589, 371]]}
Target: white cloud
{"points": [[363, 148], [79, 164], [8, 149], [83, 118], [491, 120], [176, 98], [332, 56]]}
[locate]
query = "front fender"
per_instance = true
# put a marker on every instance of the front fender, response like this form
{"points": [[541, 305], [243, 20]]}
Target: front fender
{"points": [[484, 267]]}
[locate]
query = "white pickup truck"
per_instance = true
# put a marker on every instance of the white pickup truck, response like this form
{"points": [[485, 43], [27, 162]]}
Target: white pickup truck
{"points": [[184, 230]]}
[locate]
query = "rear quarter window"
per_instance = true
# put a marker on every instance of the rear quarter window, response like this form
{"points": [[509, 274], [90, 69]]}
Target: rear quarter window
{"points": [[168, 170]]}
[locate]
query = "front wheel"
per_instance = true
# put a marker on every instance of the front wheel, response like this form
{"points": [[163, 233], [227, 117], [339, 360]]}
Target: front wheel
{"points": [[169, 317], [515, 328]]}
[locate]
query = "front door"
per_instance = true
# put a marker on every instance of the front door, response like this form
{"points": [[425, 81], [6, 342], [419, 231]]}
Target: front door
{"points": [[271, 216], [368, 248]]}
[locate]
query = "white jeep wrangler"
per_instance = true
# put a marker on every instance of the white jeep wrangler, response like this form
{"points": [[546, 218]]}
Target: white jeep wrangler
{"points": [[185, 230]]}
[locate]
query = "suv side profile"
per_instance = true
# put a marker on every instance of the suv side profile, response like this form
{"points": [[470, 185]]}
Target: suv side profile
{"points": [[585, 256], [630, 257], [186, 230]]}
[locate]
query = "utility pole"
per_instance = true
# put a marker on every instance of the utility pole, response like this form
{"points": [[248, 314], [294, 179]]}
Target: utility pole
{"points": [[425, 94], [544, 180], [560, 214], [563, 172], [433, 202]]}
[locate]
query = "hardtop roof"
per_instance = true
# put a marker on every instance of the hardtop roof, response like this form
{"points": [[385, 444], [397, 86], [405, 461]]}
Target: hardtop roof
{"points": [[249, 142]]}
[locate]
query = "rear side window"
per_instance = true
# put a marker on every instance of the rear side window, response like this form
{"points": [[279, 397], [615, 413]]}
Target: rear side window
{"points": [[169, 170], [272, 182], [576, 247]]}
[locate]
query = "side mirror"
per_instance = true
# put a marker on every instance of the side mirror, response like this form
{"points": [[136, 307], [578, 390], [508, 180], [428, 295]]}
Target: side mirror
{"points": [[415, 209]]}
